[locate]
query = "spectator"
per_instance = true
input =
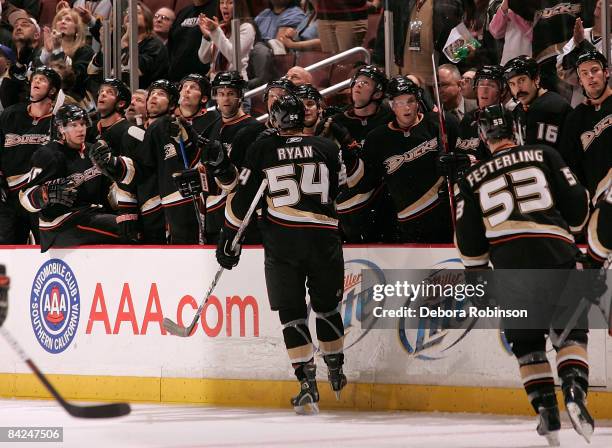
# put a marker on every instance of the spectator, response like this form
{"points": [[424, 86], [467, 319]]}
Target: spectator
{"points": [[153, 61], [77, 96], [185, 37], [92, 14], [136, 113], [273, 21], [342, 24], [216, 48], [450, 92], [306, 36], [467, 84], [7, 58], [162, 22], [432, 21], [514, 30], [478, 14], [299, 76], [32, 7], [66, 42]]}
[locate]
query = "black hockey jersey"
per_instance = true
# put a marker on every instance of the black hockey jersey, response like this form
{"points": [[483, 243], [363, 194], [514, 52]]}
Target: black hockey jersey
{"points": [[303, 173], [202, 122], [113, 134], [468, 141], [600, 229], [519, 210], [553, 26], [587, 146], [20, 136], [542, 122]]}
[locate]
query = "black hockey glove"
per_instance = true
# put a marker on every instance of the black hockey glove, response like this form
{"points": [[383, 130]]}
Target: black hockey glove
{"points": [[56, 192], [129, 228], [452, 165], [188, 182], [214, 156], [592, 275], [101, 156], [4, 188], [4, 287], [177, 130], [227, 257]]}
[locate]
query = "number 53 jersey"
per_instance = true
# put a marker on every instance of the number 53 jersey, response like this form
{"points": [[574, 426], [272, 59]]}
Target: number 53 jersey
{"points": [[304, 175], [519, 210]]}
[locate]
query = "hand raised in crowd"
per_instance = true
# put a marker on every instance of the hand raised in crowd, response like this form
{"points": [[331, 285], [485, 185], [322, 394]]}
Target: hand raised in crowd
{"points": [[202, 24], [61, 5], [504, 6], [578, 31], [85, 14], [52, 39]]}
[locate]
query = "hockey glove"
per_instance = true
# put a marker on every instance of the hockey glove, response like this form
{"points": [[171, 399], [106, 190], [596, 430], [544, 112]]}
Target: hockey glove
{"points": [[214, 156], [4, 287], [101, 156], [4, 188], [56, 192], [128, 228], [188, 182], [227, 257], [452, 165], [593, 275], [177, 130]]}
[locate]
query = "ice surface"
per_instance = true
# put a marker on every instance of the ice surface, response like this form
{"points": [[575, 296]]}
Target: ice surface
{"points": [[165, 426]]}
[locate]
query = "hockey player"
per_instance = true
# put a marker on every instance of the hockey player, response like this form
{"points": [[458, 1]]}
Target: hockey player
{"points": [[66, 190], [403, 155], [588, 133], [490, 86], [600, 230], [301, 241], [23, 128], [540, 113], [312, 99], [114, 97], [518, 210], [194, 95]]}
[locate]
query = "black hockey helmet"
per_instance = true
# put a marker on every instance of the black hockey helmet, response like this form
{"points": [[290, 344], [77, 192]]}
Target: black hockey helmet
{"points": [[401, 85], [169, 88], [123, 92], [375, 74], [287, 112], [495, 122], [202, 81], [55, 80], [69, 113], [282, 83], [592, 55], [521, 65], [232, 79], [492, 72], [308, 92]]}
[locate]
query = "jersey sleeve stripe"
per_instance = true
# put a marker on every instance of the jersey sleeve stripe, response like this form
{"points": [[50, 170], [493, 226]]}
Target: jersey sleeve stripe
{"points": [[425, 201]]}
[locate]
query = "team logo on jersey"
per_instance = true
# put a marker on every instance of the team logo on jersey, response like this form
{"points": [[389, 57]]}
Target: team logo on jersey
{"points": [[27, 139], [588, 137], [394, 163], [468, 144], [55, 306], [294, 139], [572, 9], [169, 151]]}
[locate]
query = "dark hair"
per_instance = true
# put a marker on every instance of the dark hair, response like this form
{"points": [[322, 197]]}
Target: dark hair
{"points": [[148, 17]]}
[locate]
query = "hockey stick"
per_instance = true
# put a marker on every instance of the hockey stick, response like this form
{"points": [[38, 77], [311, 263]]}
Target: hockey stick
{"points": [[443, 137], [201, 217], [94, 411], [178, 330]]}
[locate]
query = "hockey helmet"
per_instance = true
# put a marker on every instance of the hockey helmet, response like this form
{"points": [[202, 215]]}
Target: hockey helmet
{"points": [[401, 85], [287, 112], [202, 81], [231, 79], [375, 74], [55, 80], [492, 72], [69, 113], [169, 88], [495, 123], [308, 92], [592, 55], [123, 92], [282, 83], [521, 65]]}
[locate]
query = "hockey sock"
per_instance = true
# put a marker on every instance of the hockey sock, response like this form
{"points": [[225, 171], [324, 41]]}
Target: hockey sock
{"points": [[330, 332], [573, 364], [538, 379], [298, 340]]}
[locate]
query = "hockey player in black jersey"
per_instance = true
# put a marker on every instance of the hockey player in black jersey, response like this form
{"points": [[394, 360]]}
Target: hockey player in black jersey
{"points": [[23, 128], [587, 140], [194, 95], [540, 113], [490, 86], [600, 230], [114, 97], [67, 191], [518, 210], [301, 241], [403, 154]]}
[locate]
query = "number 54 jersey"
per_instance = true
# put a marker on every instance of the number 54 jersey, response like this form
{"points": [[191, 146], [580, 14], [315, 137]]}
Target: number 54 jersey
{"points": [[304, 175], [519, 210]]}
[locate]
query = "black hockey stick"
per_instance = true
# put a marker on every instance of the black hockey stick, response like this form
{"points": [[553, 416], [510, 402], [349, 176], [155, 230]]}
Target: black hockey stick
{"points": [[178, 330], [200, 216], [94, 411]]}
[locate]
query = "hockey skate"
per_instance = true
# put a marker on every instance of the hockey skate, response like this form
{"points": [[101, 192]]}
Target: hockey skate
{"points": [[337, 379], [305, 402], [549, 424], [575, 403]]}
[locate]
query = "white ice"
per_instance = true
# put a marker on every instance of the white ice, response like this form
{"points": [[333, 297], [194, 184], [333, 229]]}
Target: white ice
{"points": [[164, 426]]}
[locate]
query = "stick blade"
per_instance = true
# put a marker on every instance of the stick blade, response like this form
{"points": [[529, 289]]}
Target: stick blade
{"points": [[176, 329], [99, 411]]}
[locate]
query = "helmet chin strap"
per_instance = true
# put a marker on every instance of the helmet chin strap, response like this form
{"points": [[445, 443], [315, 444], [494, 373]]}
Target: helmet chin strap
{"points": [[43, 98], [370, 101], [235, 113], [603, 92]]}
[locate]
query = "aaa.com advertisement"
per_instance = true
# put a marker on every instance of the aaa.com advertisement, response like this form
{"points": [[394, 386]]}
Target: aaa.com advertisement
{"points": [[100, 312]]}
